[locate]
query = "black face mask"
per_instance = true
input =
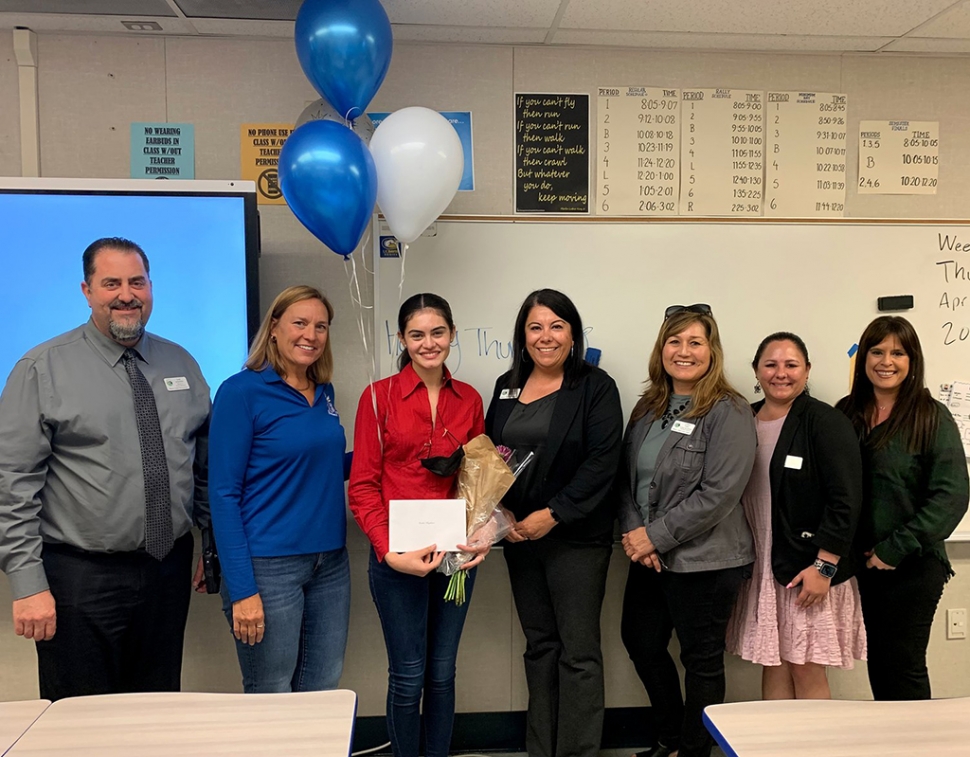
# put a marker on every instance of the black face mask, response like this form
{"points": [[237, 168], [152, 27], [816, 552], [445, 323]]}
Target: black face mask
{"points": [[445, 466]]}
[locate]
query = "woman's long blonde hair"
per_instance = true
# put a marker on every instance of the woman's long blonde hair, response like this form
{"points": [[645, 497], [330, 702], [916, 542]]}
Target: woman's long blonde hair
{"points": [[264, 352], [713, 385]]}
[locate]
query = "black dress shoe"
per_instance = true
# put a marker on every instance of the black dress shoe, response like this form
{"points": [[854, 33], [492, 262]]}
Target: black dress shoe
{"points": [[658, 751]]}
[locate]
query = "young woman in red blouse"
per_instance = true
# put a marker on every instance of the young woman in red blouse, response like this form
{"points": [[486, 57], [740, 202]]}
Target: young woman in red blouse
{"points": [[419, 413]]}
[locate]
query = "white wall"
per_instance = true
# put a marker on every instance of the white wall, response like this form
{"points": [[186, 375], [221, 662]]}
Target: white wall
{"points": [[9, 109], [92, 88]]}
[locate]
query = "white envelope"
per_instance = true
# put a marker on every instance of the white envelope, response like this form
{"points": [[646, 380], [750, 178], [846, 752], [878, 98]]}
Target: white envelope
{"points": [[419, 523]]}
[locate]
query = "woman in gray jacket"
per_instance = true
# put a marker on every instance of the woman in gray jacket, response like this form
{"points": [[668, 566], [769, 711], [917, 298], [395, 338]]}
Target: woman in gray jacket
{"points": [[688, 452]]}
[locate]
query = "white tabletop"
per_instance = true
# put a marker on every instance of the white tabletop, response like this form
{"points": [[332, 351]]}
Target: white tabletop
{"points": [[186, 724], [805, 728], [17, 717]]}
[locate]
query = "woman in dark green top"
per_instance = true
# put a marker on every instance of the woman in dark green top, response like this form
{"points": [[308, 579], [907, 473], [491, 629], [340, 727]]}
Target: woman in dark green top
{"points": [[916, 492]]}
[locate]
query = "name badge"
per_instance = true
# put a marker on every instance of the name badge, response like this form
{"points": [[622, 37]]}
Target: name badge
{"points": [[683, 427], [794, 462], [176, 384], [509, 394]]}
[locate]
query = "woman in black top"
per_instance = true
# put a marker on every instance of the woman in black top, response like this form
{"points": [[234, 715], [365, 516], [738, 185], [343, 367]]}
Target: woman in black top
{"points": [[915, 493], [568, 413], [800, 613]]}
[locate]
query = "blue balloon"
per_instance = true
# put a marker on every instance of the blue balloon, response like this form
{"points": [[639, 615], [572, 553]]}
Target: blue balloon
{"points": [[344, 47], [328, 178]]}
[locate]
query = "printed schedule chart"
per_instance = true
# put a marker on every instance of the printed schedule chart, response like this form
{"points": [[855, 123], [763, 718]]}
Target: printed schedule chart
{"points": [[805, 167], [638, 151]]}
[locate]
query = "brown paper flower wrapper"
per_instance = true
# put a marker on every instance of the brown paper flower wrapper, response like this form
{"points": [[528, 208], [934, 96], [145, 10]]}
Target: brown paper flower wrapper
{"points": [[483, 480]]}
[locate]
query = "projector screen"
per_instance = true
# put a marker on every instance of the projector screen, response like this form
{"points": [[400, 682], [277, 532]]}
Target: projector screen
{"points": [[201, 239]]}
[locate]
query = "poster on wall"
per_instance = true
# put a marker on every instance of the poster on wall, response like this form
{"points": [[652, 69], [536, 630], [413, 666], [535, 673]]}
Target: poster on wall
{"points": [[259, 155], [462, 121], [162, 151], [899, 157], [551, 153]]}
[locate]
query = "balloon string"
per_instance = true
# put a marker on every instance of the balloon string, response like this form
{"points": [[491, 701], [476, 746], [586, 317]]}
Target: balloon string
{"points": [[400, 286], [372, 363], [368, 247], [358, 309], [353, 282], [363, 261]]}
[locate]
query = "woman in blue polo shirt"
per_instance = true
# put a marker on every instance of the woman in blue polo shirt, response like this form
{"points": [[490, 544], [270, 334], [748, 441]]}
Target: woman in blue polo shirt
{"points": [[276, 486]]}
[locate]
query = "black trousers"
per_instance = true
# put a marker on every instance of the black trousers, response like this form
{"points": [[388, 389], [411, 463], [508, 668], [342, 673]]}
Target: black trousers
{"points": [[698, 606], [120, 621], [898, 607], [558, 590]]}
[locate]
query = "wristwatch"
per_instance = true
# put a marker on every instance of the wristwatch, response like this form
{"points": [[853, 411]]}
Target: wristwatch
{"points": [[555, 515], [826, 568]]}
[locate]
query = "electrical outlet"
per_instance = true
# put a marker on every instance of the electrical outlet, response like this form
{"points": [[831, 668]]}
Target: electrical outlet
{"points": [[956, 623]]}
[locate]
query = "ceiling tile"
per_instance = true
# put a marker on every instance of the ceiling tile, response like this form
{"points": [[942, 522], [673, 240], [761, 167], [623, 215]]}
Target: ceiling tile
{"points": [[90, 7], [889, 18], [491, 35], [504, 13], [273, 10], [955, 23], [688, 41]]}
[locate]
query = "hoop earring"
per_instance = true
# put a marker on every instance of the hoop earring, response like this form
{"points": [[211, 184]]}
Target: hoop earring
{"points": [[525, 356]]}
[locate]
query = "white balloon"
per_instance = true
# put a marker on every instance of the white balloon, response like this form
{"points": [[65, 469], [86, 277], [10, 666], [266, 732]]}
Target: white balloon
{"points": [[419, 163]]}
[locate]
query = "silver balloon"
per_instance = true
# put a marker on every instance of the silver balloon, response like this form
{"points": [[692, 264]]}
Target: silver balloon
{"points": [[321, 110]]}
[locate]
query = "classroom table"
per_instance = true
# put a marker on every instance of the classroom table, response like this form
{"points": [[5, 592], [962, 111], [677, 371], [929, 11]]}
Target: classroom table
{"points": [[814, 728], [17, 717], [183, 724]]}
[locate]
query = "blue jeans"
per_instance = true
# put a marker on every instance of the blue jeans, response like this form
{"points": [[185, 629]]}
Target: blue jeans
{"points": [[306, 603], [421, 633]]}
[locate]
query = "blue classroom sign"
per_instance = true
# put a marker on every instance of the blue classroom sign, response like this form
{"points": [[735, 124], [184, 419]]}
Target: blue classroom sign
{"points": [[462, 121], [162, 151]]}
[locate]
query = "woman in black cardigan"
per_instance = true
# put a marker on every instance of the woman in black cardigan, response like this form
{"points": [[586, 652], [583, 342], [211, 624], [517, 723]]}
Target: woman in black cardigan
{"points": [[801, 611], [568, 413]]}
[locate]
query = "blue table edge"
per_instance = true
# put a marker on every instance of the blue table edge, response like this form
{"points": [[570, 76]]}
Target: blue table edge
{"points": [[718, 736]]}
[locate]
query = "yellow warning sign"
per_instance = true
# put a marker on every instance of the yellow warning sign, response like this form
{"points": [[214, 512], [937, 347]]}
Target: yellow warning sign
{"points": [[259, 152]]}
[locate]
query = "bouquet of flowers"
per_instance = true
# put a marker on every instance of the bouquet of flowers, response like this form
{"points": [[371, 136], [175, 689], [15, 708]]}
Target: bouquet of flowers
{"points": [[487, 473]]}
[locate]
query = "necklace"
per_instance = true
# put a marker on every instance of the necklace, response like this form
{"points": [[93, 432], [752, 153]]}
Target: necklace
{"points": [[301, 388], [672, 413]]}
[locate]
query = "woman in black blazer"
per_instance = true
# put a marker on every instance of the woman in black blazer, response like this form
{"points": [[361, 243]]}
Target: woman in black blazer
{"points": [[801, 611], [568, 413]]}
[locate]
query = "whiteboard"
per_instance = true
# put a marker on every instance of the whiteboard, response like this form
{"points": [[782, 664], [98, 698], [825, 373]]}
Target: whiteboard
{"points": [[819, 279]]}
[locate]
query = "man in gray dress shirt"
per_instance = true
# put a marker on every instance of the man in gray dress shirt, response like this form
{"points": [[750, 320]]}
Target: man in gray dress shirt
{"points": [[107, 616]]}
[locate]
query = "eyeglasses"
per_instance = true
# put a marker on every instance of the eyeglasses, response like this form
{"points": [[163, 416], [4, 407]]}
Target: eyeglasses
{"points": [[699, 308]]}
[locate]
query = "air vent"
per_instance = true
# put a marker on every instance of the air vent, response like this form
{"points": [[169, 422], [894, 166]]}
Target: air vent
{"points": [[142, 26]]}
